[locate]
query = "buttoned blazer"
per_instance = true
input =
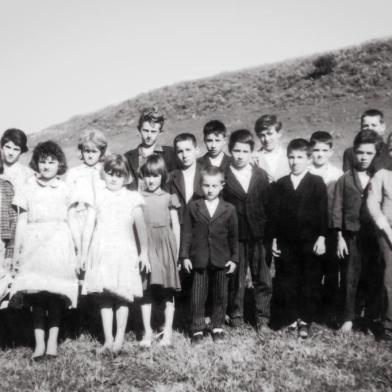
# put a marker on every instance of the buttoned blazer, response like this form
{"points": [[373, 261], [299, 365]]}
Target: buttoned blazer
{"points": [[209, 240], [251, 206], [299, 214]]}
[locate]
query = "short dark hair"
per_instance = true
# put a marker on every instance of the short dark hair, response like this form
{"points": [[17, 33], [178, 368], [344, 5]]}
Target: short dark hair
{"points": [[321, 137], [267, 121], [216, 127], [299, 145], [154, 166], [373, 113], [241, 136], [16, 136], [182, 137], [116, 164], [48, 149], [368, 136], [151, 115], [212, 171]]}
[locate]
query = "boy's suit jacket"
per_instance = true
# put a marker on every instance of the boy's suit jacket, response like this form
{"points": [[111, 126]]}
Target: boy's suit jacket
{"points": [[176, 185], [251, 206], [381, 161], [209, 241], [205, 162], [349, 209], [167, 153], [299, 214]]}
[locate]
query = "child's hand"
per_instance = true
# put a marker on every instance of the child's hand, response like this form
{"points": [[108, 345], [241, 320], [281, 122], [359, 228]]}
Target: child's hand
{"points": [[275, 250], [342, 250], [188, 265], [231, 267], [144, 263], [319, 246]]}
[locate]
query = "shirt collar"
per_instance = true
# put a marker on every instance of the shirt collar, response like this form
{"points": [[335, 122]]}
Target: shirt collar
{"points": [[157, 148], [54, 183], [244, 170], [300, 176], [158, 192]]}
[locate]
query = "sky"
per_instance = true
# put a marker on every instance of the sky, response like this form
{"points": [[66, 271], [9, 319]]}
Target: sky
{"points": [[59, 58]]}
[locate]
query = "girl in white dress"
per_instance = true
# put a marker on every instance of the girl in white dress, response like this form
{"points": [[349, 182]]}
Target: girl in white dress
{"points": [[44, 247], [109, 251]]}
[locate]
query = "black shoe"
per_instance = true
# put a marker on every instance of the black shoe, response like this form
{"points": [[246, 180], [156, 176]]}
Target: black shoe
{"points": [[197, 338], [218, 336], [38, 358], [385, 336]]}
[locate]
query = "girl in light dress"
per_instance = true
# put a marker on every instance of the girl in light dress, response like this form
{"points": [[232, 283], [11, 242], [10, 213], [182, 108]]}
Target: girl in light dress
{"points": [[45, 247], [160, 213], [109, 251], [84, 178]]}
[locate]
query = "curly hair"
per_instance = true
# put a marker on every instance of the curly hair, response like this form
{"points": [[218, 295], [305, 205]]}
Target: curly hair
{"points": [[48, 149], [151, 115]]}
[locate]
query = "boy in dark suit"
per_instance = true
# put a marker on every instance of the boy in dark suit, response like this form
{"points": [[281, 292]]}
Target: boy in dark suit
{"points": [[150, 127], [248, 189], [215, 140], [299, 226], [209, 248], [372, 119], [356, 233]]}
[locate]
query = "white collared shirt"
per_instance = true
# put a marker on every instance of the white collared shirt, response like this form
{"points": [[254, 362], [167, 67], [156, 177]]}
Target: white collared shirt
{"points": [[297, 179], [272, 158], [212, 205], [328, 173], [218, 160], [364, 178], [243, 176], [189, 178]]}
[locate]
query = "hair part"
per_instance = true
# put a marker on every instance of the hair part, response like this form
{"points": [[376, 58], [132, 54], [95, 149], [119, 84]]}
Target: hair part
{"points": [[154, 166], [267, 121], [241, 136], [151, 115], [373, 113], [215, 127], [321, 137], [299, 144], [184, 137], [48, 149], [15, 136], [368, 136], [93, 136]]}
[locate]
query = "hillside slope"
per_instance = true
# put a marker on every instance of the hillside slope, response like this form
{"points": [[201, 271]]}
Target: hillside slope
{"points": [[319, 92]]}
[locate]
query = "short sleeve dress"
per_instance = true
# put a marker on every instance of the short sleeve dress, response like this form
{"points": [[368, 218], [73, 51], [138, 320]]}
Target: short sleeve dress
{"points": [[113, 262], [162, 247], [47, 259]]}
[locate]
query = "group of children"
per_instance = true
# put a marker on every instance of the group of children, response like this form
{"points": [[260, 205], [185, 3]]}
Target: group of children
{"points": [[163, 225]]}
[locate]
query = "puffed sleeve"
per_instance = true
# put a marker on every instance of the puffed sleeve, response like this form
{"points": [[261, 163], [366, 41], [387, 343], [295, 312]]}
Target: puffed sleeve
{"points": [[174, 203]]}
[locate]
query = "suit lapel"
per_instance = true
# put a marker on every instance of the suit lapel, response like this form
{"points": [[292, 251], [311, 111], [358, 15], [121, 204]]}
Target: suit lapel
{"points": [[179, 183], [357, 181], [234, 185], [134, 161], [203, 211], [220, 209]]}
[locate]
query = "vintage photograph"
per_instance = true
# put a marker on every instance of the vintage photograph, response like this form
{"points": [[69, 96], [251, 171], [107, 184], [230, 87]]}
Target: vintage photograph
{"points": [[195, 195]]}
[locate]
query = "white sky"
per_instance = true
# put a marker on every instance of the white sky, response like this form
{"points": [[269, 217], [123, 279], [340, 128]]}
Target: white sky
{"points": [[59, 58]]}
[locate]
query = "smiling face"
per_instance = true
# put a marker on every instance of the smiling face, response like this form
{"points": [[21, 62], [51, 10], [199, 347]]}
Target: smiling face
{"points": [[149, 133], [365, 154], [48, 167], [321, 154], [215, 144], [298, 161], [373, 123], [241, 155], [91, 154], [269, 138], [211, 186], [186, 152], [113, 181], [11, 153]]}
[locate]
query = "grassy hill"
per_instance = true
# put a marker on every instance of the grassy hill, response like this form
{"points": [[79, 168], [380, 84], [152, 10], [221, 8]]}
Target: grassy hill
{"points": [[325, 91]]}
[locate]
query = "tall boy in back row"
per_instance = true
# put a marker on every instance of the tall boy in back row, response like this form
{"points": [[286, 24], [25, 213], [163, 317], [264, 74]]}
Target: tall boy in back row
{"points": [[299, 227], [248, 189]]}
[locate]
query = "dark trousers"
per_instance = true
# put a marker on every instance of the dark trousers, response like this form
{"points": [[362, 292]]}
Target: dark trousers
{"points": [[298, 281], [362, 265], [200, 284], [386, 250], [47, 307], [252, 254]]}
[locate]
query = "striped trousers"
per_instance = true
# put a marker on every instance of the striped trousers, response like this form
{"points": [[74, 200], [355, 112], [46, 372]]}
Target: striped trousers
{"points": [[252, 254], [217, 280]]}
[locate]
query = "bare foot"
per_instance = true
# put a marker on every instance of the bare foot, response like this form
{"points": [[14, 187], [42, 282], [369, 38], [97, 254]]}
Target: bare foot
{"points": [[347, 327]]}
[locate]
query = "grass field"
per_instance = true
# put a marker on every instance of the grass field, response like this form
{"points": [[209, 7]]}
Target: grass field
{"points": [[246, 361]]}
